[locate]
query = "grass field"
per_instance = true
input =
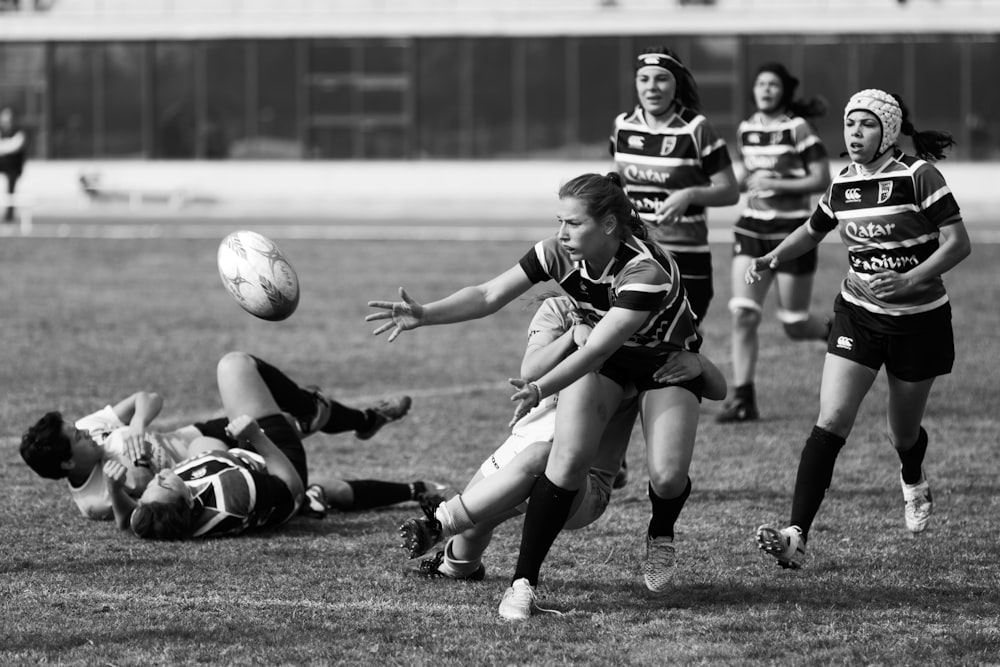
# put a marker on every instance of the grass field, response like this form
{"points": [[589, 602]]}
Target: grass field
{"points": [[86, 322]]}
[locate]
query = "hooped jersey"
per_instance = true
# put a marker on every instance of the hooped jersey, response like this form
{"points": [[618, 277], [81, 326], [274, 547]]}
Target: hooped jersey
{"points": [[641, 276], [890, 220], [784, 147], [235, 493], [655, 163], [107, 429]]}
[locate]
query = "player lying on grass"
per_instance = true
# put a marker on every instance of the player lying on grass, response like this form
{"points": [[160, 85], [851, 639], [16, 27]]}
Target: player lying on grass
{"points": [[261, 482], [502, 485], [57, 448]]}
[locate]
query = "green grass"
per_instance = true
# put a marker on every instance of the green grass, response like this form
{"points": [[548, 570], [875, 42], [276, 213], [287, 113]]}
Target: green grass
{"points": [[87, 322]]}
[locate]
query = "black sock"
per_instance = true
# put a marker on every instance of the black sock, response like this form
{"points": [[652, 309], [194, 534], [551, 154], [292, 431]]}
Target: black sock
{"points": [[548, 509], [913, 458], [745, 393], [369, 493], [286, 438], [666, 511], [343, 418], [301, 404], [813, 478], [289, 396]]}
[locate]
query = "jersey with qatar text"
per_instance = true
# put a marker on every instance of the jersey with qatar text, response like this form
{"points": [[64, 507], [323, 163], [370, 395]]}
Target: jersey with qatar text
{"points": [[890, 220], [641, 276], [235, 493], [654, 163], [782, 148]]}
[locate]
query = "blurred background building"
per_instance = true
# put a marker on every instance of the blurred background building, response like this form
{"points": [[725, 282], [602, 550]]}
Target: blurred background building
{"points": [[460, 79]]}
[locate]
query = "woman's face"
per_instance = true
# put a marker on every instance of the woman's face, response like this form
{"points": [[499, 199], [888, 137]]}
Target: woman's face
{"points": [[656, 88], [767, 92], [584, 238], [165, 487], [862, 136]]}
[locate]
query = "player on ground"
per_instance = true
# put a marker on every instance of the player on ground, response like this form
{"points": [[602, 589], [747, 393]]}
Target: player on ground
{"points": [[502, 484], [784, 163], [56, 448], [674, 165], [903, 230], [222, 491], [631, 292]]}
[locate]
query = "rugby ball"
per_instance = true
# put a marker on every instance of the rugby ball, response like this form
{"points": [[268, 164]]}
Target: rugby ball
{"points": [[258, 275]]}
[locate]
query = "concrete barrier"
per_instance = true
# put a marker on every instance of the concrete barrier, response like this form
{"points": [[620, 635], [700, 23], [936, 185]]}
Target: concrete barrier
{"points": [[363, 190]]}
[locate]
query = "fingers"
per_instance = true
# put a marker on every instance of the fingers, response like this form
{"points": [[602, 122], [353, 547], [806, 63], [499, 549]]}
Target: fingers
{"points": [[385, 327]]}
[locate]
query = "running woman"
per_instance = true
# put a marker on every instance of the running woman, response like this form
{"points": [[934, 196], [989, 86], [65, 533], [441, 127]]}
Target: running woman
{"points": [[903, 230], [674, 165], [784, 163]]}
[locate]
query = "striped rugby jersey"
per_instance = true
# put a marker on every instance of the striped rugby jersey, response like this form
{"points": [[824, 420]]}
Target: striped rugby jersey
{"points": [[889, 220], [236, 493], [784, 146], [654, 163], [640, 277]]}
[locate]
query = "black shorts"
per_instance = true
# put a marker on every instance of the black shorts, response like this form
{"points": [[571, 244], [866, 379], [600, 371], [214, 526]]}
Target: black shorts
{"points": [[912, 356], [696, 274], [755, 247], [630, 370]]}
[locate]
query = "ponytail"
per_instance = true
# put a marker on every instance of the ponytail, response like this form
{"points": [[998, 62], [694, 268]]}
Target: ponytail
{"points": [[927, 144]]}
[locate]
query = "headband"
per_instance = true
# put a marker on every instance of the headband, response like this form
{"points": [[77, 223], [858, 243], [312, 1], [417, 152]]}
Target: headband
{"points": [[885, 107], [661, 60]]}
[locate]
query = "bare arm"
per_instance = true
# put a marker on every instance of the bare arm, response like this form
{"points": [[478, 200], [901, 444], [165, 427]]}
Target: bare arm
{"points": [[722, 191], [139, 409], [799, 242], [545, 351], [468, 303], [954, 247], [683, 365], [121, 503], [246, 429]]}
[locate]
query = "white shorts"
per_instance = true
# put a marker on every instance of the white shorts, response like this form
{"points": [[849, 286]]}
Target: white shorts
{"points": [[596, 491]]}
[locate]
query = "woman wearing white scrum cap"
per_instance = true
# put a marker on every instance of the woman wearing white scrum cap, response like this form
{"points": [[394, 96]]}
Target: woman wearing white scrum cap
{"points": [[903, 230]]}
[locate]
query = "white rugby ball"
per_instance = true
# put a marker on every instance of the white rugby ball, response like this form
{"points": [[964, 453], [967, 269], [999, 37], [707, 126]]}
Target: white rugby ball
{"points": [[258, 275]]}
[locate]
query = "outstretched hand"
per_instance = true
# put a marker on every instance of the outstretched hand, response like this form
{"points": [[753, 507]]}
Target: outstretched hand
{"points": [[527, 397], [404, 315], [680, 366], [758, 264]]}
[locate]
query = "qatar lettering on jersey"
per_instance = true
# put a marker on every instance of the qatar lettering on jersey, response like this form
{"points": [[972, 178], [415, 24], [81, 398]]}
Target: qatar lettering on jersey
{"points": [[654, 163], [890, 220], [235, 494], [784, 147], [641, 276]]}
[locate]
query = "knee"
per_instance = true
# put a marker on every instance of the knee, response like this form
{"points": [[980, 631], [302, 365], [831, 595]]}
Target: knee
{"points": [[746, 312], [233, 362], [795, 324], [668, 483]]}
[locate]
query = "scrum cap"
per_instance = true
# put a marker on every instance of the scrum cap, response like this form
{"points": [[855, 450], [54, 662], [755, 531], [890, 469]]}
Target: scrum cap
{"points": [[886, 109]]}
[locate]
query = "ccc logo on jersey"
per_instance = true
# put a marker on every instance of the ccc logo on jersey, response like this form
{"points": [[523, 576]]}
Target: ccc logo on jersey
{"points": [[852, 195]]}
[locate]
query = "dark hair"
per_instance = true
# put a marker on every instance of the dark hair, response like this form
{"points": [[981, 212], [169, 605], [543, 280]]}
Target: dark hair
{"points": [[687, 87], [604, 196], [811, 107], [162, 521], [44, 446], [928, 144]]}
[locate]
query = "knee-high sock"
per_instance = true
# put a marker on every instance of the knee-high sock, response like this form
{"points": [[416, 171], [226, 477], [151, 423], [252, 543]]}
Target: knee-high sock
{"points": [[299, 402], [369, 493], [666, 511], [913, 458], [813, 478], [548, 509]]}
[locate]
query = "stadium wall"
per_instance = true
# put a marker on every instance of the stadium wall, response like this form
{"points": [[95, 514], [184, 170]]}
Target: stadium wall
{"points": [[373, 190]]}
